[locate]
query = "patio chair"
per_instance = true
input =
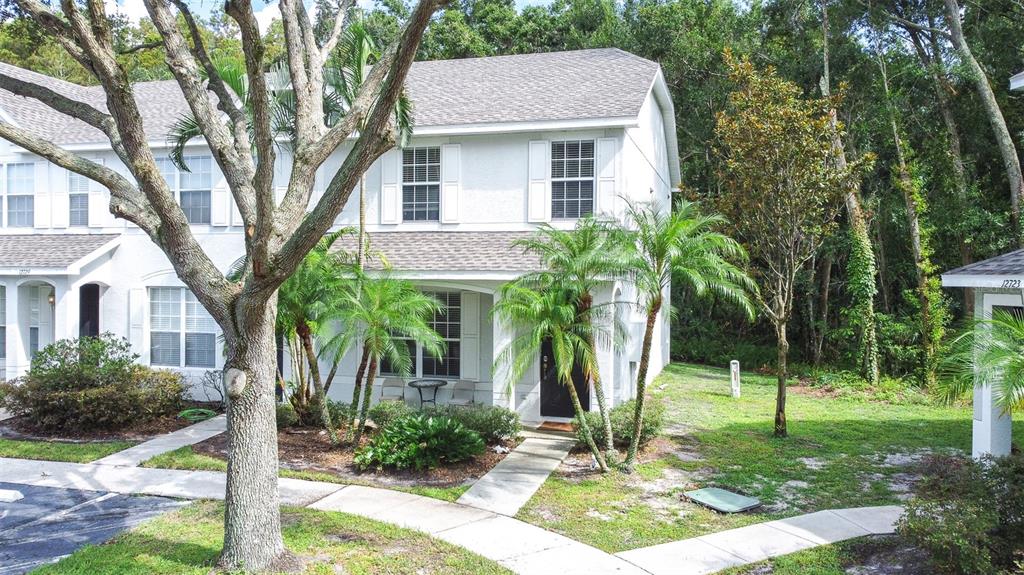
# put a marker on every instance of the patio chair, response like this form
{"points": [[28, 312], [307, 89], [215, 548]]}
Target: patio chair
{"points": [[463, 393], [392, 389]]}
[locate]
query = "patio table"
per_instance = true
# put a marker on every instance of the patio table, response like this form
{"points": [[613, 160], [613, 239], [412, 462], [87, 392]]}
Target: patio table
{"points": [[421, 384]]}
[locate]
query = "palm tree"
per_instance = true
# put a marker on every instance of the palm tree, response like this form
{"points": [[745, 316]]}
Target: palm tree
{"points": [[306, 303], [383, 312], [992, 354], [548, 313], [581, 259], [681, 245]]}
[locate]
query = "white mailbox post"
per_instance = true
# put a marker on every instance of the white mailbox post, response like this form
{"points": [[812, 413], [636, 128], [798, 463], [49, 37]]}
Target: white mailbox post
{"points": [[734, 372]]}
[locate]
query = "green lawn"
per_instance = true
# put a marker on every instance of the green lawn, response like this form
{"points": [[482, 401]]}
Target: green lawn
{"points": [[186, 458], [841, 453], [187, 542], [60, 451]]}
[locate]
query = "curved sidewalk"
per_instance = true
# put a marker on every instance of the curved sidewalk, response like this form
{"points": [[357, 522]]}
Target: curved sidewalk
{"points": [[518, 546]]}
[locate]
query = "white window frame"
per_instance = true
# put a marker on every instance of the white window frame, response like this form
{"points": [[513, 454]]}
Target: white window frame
{"points": [[419, 355], [450, 300], [189, 309], [563, 177], [174, 181], [78, 186], [413, 181], [6, 204]]}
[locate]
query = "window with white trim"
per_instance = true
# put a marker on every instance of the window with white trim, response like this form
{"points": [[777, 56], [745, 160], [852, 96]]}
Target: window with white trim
{"points": [[169, 335], [447, 322], [20, 195], [78, 200], [421, 184], [193, 188], [386, 368], [572, 179]]}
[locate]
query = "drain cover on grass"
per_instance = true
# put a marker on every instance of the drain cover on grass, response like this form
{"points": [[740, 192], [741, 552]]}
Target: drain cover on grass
{"points": [[722, 500]]}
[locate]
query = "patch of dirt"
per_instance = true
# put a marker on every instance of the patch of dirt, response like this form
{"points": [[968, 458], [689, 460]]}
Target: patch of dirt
{"points": [[789, 497], [812, 463], [310, 450], [21, 428], [889, 556]]}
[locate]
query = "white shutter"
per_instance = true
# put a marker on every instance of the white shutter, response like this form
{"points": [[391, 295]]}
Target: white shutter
{"points": [[539, 190], [99, 208], [236, 216], [220, 201], [606, 151], [137, 303], [451, 182], [41, 203], [390, 204], [470, 335]]}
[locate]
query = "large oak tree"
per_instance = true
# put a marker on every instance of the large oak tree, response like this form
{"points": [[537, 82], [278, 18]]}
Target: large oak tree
{"points": [[241, 137]]}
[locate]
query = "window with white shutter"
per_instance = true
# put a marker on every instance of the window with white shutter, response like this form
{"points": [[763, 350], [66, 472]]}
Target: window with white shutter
{"points": [[193, 189], [20, 195], [78, 200], [421, 184], [169, 335], [572, 179]]}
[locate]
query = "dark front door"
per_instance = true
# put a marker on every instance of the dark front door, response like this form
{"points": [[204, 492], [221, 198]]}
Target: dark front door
{"points": [[555, 400], [89, 310]]}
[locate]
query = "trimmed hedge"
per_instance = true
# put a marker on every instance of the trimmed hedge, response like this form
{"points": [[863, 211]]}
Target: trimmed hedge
{"points": [[493, 423], [89, 384]]}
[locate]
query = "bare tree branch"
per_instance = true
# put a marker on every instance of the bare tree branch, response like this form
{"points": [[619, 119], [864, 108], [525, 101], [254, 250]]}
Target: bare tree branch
{"points": [[140, 47], [339, 27]]}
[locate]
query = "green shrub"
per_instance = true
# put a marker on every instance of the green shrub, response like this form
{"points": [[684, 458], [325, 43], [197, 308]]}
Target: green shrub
{"points": [[385, 413], [493, 423], [286, 416], [341, 414], [969, 515], [92, 383], [622, 423], [420, 441]]}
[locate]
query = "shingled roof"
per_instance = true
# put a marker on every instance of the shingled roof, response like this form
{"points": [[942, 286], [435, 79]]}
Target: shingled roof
{"points": [[576, 85], [448, 251], [49, 251]]}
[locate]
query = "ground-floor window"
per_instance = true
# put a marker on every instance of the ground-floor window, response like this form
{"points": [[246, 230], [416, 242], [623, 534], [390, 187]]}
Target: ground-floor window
{"points": [[447, 322], [177, 321]]}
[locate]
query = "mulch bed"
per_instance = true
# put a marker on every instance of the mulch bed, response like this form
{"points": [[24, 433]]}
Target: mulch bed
{"points": [[303, 449], [22, 428]]}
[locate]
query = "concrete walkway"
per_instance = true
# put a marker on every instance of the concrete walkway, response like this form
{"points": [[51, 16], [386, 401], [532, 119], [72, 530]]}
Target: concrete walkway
{"points": [[520, 547], [190, 435], [717, 551], [514, 480]]}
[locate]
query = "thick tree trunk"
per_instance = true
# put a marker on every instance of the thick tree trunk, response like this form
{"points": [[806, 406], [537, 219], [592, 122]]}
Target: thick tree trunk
{"points": [[588, 437], [641, 382], [252, 523], [314, 374], [371, 373], [780, 397], [1004, 139], [860, 269]]}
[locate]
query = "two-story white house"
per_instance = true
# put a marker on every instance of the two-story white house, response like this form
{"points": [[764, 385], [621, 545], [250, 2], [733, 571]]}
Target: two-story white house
{"points": [[500, 145]]}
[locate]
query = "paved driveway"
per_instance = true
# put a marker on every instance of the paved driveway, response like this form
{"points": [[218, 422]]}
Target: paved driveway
{"points": [[47, 523]]}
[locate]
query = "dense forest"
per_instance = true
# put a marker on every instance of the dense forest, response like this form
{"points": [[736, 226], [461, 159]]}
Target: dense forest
{"points": [[919, 89]]}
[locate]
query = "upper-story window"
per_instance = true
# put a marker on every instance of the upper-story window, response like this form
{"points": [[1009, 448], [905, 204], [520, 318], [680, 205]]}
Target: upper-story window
{"points": [[191, 188], [167, 307], [572, 178], [21, 195], [78, 199], [421, 184]]}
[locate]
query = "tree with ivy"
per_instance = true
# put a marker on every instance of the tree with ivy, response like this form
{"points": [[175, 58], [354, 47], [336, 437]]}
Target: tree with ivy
{"points": [[782, 188]]}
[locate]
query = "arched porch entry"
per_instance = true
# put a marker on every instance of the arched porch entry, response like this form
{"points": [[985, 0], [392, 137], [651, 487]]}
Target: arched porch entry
{"points": [[89, 321], [36, 318]]}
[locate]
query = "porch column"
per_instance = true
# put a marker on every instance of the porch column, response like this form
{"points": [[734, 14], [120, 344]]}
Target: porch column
{"points": [[992, 428], [501, 338], [17, 359], [65, 310]]}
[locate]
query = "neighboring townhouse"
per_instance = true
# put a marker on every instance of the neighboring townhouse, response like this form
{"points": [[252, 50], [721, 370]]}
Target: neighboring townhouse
{"points": [[1017, 81], [500, 145]]}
